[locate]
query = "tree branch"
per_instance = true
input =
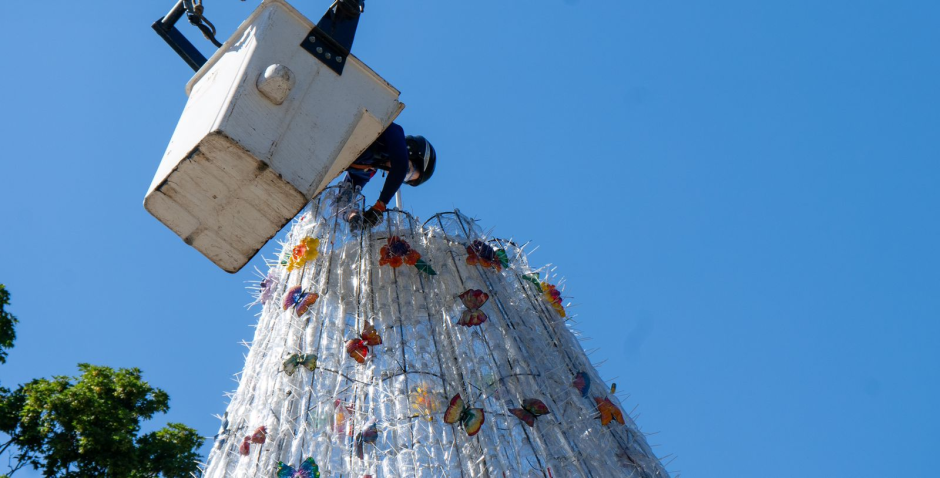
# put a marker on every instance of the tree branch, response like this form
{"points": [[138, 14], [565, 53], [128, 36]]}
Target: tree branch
{"points": [[19, 464], [6, 445]]}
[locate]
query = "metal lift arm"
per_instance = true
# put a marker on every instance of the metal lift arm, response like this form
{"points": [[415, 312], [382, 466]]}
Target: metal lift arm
{"points": [[330, 41], [166, 28]]}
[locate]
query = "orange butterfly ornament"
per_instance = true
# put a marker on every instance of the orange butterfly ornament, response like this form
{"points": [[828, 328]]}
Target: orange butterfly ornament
{"points": [[358, 348], [609, 411]]}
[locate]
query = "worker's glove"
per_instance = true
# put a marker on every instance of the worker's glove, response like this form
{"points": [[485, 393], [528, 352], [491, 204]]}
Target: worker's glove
{"points": [[369, 219], [373, 216]]}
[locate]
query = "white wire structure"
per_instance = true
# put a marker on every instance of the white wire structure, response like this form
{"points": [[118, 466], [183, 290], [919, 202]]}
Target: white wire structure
{"points": [[523, 350]]}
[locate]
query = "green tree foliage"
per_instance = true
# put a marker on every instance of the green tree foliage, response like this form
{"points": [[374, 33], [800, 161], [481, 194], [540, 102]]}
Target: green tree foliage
{"points": [[89, 425], [7, 321]]}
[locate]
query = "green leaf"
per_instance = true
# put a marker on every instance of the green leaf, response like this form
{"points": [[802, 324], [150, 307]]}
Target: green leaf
{"points": [[534, 278], [503, 258], [425, 267], [7, 321], [170, 451]]}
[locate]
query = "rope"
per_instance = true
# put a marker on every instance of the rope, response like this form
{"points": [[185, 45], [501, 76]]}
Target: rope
{"points": [[194, 11]]}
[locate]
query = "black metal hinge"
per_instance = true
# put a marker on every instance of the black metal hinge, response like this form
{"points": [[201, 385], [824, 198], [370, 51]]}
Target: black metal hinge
{"points": [[331, 40]]}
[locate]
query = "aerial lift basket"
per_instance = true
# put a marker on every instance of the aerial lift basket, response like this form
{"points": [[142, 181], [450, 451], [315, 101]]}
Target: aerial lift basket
{"points": [[278, 112]]}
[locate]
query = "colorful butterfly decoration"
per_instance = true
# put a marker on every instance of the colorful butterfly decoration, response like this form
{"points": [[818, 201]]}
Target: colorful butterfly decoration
{"points": [[609, 411], [299, 300], [473, 299], [267, 287], [308, 469], [258, 438], [553, 296], [532, 408], [369, 434], [480, 253], [582, 382], [358, 348], [470, 418], [397, 251], [307, 361], [302, 253]]}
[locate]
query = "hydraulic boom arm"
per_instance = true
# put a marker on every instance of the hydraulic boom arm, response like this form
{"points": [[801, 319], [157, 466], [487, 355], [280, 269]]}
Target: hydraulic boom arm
{"points": [[336, 32]]}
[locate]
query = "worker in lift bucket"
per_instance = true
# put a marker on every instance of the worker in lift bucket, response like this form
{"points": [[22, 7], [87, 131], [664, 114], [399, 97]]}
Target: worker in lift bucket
{"points": [[406, 159]]}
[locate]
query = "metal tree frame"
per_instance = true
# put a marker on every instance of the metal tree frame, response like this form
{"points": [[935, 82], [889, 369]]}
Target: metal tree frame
{"points": [[524, 350]]}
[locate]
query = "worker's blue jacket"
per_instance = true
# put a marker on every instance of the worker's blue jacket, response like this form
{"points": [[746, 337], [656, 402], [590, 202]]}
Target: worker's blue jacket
{"points": [[389, 153]]}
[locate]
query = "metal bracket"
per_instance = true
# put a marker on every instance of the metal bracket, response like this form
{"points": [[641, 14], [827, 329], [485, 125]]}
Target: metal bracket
{"points": [[166, 28], [331, 40]]}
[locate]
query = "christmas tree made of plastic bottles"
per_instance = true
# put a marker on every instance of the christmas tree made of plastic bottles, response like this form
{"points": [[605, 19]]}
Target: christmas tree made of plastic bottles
{"points": [[417, 350]]}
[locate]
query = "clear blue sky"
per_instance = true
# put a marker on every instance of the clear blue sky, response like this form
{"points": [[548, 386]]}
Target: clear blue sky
{"points": [[742, 195]]}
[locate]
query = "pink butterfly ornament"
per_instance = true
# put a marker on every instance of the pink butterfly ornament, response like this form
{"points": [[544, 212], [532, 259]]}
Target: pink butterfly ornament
{"points": [[300, 301], [258, 438], [473, 299]]}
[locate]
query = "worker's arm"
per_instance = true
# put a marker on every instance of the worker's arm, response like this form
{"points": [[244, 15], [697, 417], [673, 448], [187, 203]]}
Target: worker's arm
{"points": [[394, 139]]}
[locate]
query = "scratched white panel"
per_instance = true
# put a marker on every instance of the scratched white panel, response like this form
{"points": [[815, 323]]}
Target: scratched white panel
{"points": [[239, 166]]}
